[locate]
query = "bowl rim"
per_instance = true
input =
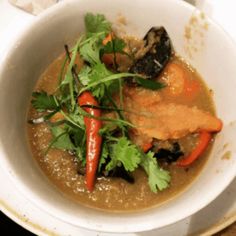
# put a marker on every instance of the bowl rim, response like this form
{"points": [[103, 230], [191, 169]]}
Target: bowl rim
{"points": [[47, 206]]}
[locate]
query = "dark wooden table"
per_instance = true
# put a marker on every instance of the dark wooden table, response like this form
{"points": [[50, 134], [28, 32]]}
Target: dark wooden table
{"points": [[7, 225]]}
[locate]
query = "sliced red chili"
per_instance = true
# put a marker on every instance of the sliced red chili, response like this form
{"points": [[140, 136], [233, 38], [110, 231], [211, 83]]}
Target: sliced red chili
{"points": [[94, 140], [204, 139]]}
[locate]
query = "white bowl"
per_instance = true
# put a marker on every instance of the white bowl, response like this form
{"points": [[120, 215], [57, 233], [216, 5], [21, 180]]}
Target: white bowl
{"points": [[43, 41]]}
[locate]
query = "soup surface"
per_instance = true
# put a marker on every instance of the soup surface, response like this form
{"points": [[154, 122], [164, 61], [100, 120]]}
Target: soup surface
{"points": [[121, 124], [111, 193]]}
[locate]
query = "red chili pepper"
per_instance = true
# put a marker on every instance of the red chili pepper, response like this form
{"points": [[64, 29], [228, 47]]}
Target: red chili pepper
{"points": [[147, 146], [204, 139], [109, 58], [94, 140]]}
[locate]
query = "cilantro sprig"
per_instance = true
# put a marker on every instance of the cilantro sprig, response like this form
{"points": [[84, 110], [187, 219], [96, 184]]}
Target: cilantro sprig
{"points": [[123, 152], [158, 178], [115, 45], [43, 101], [95, 23]]}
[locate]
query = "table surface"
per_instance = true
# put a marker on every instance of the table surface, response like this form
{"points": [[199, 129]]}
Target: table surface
{"points": [[7, 225]]}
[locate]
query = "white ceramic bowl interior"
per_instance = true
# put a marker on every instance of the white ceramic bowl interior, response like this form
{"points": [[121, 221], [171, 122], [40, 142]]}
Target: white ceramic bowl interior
{"points": [[214, 58]]}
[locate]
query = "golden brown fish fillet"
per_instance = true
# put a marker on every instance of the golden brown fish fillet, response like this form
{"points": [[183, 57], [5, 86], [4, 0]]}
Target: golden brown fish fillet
{"points": [[160, 120]]}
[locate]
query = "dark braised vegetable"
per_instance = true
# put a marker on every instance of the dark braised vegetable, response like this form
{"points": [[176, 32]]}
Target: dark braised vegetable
{"points": [[117, 172], [204, 140], [159, 47], [169, 155], [120, 172]]}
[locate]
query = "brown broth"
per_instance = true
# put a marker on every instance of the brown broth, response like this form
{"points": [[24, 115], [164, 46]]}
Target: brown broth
{"points": [[111, 194]]}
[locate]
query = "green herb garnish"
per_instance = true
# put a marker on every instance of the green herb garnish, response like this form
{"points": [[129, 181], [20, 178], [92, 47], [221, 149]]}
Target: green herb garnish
{"points": [[115, 45], [158, 179], [125, 153], [96, 23], [42, 101], [69, 134], [149, 84]]}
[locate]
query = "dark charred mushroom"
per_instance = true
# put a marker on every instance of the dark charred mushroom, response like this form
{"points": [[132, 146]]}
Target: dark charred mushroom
{"points": [[120, 172], [169, 155], [159, 50]]}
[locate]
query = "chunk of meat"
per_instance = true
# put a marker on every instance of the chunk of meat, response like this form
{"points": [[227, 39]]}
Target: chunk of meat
{"points": [[175, 77], [137, 96], [163, 121], [179, 82]]}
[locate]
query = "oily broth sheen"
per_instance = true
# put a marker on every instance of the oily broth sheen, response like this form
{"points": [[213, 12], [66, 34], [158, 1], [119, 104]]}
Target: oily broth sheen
{"points": [[111, 194]]}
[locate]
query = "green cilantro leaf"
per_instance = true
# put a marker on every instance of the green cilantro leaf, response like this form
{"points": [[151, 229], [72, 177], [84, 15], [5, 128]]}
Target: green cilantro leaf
{"points": [[97, 27], [94, 74], [77, 136], [68, 82], [116, 45], [96, 23], [150, 84], [90, 50], [42, 101], [81, 155], [61, 138], [98, 73], [158, 179], [77, 117], [124, 152], [84, 75]]}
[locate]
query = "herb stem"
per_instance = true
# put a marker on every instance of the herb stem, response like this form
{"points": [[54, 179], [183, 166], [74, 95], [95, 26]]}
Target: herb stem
{"points": [[84, 113], [121, 95], [103, 108], [62, 70], [108, 95], [73, 69], [114, 52], [69, 74], [124, 132], [67, 52], [68, 118], [119, 111], [109, 78]]}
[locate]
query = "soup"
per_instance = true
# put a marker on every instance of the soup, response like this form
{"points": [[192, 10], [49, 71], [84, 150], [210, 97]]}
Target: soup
{"points": [[146, 120]]}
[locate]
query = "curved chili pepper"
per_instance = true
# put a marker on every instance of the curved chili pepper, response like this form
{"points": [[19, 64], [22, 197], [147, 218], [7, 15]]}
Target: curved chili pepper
{"points": [[147, 146], [94, 140], [204, 139]]}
